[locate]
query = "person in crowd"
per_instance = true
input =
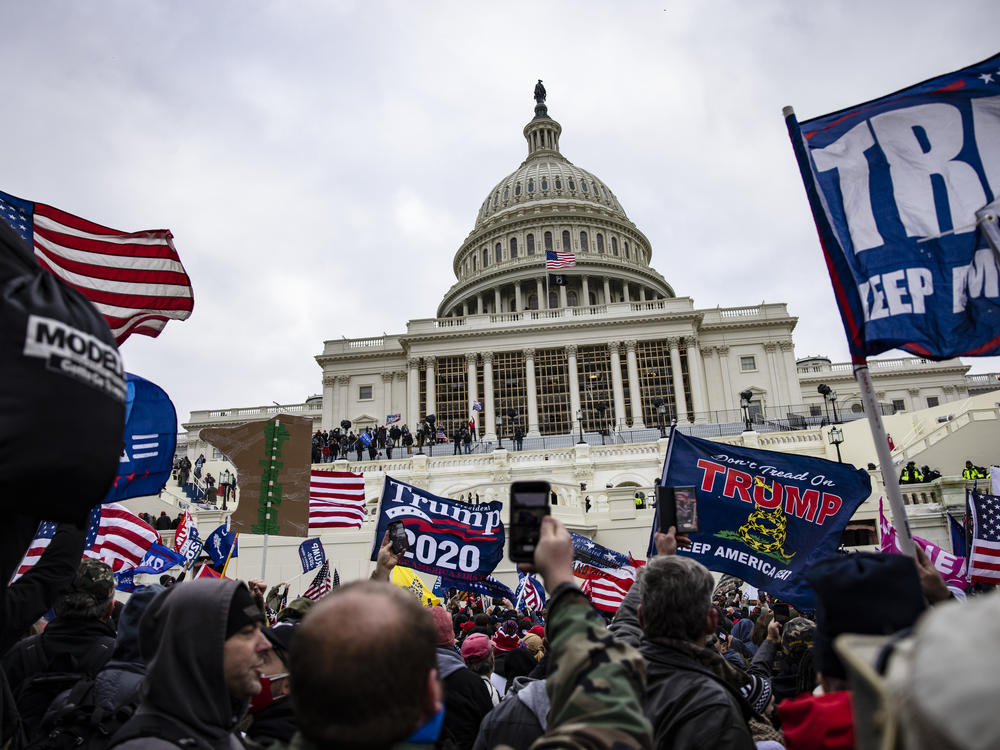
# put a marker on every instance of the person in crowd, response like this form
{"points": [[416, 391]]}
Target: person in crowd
{"points": [[163, 521], [742, 630], [930, 474], [456, 439], [372, 445], [795, 672], [518, 438], [477, 651], [364, 669], [177, 521], [971, 471], [910, 474], [520, 719], [271, 717], [466, 698], [390, 443], [75, 645], [359, 447]]}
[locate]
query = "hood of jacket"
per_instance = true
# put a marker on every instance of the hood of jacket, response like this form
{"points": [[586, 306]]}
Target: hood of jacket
{"points": [[127, 640], [181, 636], [449, 661], [532, 694]]}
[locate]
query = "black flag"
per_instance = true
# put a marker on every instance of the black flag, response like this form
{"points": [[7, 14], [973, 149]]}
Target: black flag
{"points": [[557, 279]]}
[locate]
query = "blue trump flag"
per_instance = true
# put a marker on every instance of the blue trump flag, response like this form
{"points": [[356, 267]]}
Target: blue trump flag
{"points": [[764, 517], [311, 554], [219, 544], [447, 537], [899, 188], [489, 586], [148, 445], [159, 559]]}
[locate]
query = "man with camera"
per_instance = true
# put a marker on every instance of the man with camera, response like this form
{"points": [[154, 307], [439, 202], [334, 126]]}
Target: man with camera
{"points": [[364, 668]]}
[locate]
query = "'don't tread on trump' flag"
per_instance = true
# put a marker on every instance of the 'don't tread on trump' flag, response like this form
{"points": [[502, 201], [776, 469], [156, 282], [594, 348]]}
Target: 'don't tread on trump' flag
{"points": [[899, 189], [135, 279], [764, 517], [336, 500]]}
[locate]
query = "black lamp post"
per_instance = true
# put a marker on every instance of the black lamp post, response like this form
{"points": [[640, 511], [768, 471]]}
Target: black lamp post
{"points": [[579, 421], [499, 433], [829, 399], [836, 438], [661, 414], [601, 408], [745, 398]]}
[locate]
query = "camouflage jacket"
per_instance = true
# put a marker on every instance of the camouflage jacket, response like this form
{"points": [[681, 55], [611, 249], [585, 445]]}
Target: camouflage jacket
{"points": [[595, 684]]}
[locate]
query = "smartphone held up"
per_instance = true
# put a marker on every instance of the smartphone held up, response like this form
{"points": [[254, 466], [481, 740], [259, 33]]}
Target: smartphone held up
{"points": [[398, 538], [529, 504], [677, 506]]}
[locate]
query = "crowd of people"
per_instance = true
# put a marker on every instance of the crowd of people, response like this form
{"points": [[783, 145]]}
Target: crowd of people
{"points": [[684, 663], [379, 441], [912, 475]]}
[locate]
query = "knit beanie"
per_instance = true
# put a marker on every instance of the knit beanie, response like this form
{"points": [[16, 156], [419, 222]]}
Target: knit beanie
{"points": [[243, 611], [506, 638], [442, 624]]}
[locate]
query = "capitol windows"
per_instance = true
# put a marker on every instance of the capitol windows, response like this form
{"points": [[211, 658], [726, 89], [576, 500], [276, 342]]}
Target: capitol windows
{"points": [[532, 301], [572, 183], [558, 184], [614, 246], [552, 386], [513, 247], [506, 194], [600, 242], [595, 188], [748, 363], [486, 257], [571, 298], [548, 241], [498, 254], [531, 186], [626, 249], [545, 184], [365, 393], [584, 243], [531, 244], [565, 241], [584, 186], [451, 391], [475, 263], [517, 189]]}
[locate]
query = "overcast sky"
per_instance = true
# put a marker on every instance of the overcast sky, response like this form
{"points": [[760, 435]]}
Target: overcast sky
{"points": [[319, 163]]}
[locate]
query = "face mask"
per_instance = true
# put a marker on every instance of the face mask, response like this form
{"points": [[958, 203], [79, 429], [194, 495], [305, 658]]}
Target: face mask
{"points": [[264, 698]]}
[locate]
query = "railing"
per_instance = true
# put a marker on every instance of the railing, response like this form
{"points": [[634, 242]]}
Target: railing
{"points": [[253, 411], [881, 365]]}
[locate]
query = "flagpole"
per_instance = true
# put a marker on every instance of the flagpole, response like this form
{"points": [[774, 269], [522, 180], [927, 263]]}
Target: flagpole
{"points": [[889, 478], [232, 546]]}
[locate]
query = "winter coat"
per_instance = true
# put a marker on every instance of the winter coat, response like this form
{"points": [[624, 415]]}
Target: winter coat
{"points": [[466, 699], [520, 719]]}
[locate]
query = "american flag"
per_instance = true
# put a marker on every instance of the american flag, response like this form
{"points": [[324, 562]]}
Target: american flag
{"points": [[608, 591], [984, 560], [336, 500], [529, 592], [136, 279], [608, 575], [115, 535], [321, 584], [555, 260]]}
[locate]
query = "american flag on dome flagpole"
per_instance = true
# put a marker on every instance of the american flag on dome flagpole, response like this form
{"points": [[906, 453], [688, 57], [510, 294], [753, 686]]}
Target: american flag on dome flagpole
{"points": [[135, 279], [984, 557], [336, 500], [321, 584], [555, 260]]}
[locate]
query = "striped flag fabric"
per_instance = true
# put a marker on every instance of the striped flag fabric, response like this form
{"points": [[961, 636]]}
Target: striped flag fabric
{"points": [[118, 536], [135, 279], [984, 559], [321, 584], [46, 530], [555, 260], [336, 500], [608, 591], [608, 575], [530, 592]]}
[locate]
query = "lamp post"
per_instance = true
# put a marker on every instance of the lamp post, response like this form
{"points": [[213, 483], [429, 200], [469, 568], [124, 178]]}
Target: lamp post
{"points": [[745, 398], [661, 415], [836, 438], [579, 421], [829, 399], [499, 436]]}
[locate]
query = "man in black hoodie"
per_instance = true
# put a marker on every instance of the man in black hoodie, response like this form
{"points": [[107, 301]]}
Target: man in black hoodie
{"points": [[206, 650]]}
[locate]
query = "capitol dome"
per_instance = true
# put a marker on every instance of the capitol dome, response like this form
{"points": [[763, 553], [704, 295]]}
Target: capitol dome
{"points": [[550, 204]]}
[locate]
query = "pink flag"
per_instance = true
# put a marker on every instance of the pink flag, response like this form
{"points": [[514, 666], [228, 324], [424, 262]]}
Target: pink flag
{"points": [[952, 568]]}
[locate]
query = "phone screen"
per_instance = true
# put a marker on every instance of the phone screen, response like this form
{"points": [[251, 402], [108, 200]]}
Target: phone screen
{"points": [[397, 535], [529, 504], [677, 506]]}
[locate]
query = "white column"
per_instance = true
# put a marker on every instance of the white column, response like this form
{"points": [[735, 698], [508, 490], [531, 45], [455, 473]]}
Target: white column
{"points": [[465, 307], [729, 398], [496, 300], [680, 400], [586, 296], [344, 386], [642, 293], [638, 422], [616, 382], [386, 397], [543, 299], [398, 393], [574, 381], [562, 297], [412, 393], [329, 389], [479, 304], [776, 374], [529, 368], [470, 361], [489, 409], [517, 297], [431, 400], [607, 291], [626, 297], [696, 371], [792, 370], [713, 381]]}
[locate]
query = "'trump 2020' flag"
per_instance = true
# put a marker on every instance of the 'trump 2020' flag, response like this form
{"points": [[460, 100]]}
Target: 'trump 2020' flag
{"points": [[135, 279], [447, 537], [336, 500], [895, 186], [765, 517]]}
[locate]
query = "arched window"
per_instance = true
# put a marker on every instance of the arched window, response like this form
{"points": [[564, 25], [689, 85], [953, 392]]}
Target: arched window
{"points": [[475, 263], [548, 241], [517, 189], [506, 194], [531, 186], [584, 186], [571, 298], [584, 244], [532, 301], [531, 244], [513, 247], [595, 189], [572, 183], [614, 246], [545, 184], [600, 242], [565, 239], [593, 299], [553, 300], [626, 249], [558, 183], [486, 257], [498, 255]]}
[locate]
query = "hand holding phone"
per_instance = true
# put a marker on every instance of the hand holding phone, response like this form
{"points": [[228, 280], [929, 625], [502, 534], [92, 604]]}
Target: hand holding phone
{"points": [[677, 506], [397, 535]]}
